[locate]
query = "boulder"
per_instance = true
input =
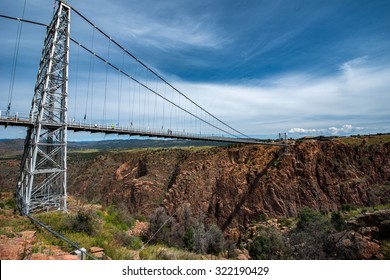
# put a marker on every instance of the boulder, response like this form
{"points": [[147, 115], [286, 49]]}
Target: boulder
{"points": [[94, 250], [15, 248], [351, 245]]}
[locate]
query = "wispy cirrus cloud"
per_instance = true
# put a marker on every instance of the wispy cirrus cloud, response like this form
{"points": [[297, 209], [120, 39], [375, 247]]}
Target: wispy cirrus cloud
{"points": [[167, 25]]}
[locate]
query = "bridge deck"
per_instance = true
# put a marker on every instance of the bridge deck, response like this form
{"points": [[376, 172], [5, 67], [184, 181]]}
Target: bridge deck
{"points": [[107, 129]]}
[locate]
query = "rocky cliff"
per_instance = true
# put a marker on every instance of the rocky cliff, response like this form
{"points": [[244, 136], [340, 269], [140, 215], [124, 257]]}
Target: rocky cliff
{"points": [[234, 186]]}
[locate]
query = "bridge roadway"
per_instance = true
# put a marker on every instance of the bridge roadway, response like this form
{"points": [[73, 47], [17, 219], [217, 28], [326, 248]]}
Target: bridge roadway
{"points": [[110, 129]]}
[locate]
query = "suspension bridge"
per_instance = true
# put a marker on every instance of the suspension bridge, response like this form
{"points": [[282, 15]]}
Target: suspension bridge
{"points": [[101, 88]]}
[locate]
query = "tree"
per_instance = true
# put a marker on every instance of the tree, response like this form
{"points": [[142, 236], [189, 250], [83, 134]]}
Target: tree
{"points": [[214, 239], [188, 238], [199, 244], [159, 226]]}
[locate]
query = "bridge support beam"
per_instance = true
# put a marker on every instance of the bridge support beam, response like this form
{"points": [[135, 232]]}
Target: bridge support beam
{"points": [[42, 180]]}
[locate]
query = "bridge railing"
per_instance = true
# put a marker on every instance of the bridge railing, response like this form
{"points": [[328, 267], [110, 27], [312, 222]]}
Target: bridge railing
{"points": [[23, 119], [14, 115], [106, 127]]}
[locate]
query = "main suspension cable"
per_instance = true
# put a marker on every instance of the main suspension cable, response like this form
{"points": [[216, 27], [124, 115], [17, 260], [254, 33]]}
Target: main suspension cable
{"points": [[135, 80], [148, 88], [25, 20], [157, 75]]}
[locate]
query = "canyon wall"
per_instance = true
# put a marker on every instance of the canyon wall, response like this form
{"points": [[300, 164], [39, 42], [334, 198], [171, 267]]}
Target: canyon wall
{"points": [[234, 186]]}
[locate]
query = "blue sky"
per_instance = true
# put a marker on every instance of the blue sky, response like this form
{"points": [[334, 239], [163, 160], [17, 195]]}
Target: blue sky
{"points": [[303, 67]]}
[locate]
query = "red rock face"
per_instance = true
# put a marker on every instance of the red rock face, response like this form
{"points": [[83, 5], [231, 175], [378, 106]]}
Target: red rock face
{"points": [[232, 187], [20, 248]]}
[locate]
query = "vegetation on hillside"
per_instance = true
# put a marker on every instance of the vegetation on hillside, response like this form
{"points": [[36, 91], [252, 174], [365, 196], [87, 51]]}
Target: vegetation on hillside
{"points": [[174, 232], [183, 236], [184, 231], [312, 237]]}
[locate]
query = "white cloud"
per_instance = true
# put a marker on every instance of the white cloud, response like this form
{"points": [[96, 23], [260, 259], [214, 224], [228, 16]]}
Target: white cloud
{"points": [[302, 130], [295, 101], [346, 129]]}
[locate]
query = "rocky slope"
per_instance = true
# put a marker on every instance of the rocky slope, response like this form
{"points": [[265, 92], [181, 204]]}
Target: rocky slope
{"points": [[232, 186]]}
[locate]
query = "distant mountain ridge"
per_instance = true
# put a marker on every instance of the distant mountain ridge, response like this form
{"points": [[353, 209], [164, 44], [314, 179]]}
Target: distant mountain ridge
{"points": [[14, 147]]}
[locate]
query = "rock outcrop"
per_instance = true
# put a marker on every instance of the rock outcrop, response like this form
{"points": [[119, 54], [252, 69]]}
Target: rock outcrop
{"points": [[21, 248], [233, 186], [359, 241], [351, 245], [17, 248]]}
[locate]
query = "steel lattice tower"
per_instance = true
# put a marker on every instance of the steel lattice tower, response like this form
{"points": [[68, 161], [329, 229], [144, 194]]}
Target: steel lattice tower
{"points": [[42, 180]]}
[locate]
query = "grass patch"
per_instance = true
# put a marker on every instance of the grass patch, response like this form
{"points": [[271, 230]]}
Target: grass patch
{"points": [[11, 155], [385, 249], [118, 217], [160, 252], [120, 253], [8, 204], [287, 222], [355, 211], [365, 139], [107, 229]]}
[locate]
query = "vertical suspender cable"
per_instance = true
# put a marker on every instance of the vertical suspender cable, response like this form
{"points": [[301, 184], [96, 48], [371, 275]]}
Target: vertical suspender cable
{"points": [[92, 88], [15, 61], [89, 76], [77, 82], [163, 108], [134, 92], [105, 84], [129, 100], [120, 81], [155, 108]]}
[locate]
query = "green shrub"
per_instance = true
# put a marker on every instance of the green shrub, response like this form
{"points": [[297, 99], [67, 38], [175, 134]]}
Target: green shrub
{"points": [[286, 222], [84, 221], [262, 217], [125, 240], [269, 244], [309, 237], [119, 216], [188, 238], [10, 203], [348, 207], [338, 221], [312, 220]]}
